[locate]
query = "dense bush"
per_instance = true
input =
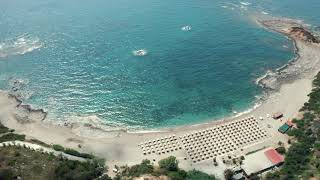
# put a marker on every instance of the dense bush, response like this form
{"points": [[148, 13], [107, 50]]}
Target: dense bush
{"points": [[3, 129], [58, 147], [169, 164], [6, 174], [12, 137], [194, 174], [137, 170], [78, 170], [78, 154], [281, 150], [168, 167], [72, 152]]}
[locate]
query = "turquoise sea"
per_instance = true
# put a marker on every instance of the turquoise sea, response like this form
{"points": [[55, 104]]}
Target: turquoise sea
{"points": [[76, 58]]}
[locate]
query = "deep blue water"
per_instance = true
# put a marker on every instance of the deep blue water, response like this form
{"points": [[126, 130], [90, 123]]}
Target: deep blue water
{"points": [[75, 57]]}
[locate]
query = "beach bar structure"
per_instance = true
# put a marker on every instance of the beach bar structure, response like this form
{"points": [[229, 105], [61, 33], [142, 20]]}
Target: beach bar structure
{"points": [[277, 115], [261, 161], [285, 127]]}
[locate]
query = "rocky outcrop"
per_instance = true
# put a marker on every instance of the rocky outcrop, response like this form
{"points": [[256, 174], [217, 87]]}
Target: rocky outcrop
{"points": [[302, 34], [25, 113], [291, 28], [307, 50]]}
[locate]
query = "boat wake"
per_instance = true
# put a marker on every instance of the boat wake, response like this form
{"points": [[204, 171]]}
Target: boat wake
{"points": [[20, 45]]}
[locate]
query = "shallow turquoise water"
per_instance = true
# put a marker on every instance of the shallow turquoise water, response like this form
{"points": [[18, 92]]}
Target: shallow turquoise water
{"points": [[75, 57]]}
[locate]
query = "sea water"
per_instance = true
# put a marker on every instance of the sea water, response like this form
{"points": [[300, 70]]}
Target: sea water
{"points": [[141, 63]]}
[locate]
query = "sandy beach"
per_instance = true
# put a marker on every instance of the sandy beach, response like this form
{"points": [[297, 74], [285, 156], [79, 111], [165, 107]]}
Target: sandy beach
{"points": [[289, 89]]}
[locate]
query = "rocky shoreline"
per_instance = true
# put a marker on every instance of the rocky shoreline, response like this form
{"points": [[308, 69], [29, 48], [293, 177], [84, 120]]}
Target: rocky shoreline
{"points": [[26, 113], [293, 70]]}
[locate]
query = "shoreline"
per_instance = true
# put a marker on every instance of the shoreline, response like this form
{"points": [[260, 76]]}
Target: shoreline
{"points": [[255, 104], [259, 81], [121, 147]]}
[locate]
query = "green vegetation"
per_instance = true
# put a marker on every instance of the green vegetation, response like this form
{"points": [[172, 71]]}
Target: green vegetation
{"points": [[144, 168], [78, 170], [194, 174], [12, 137], [3, 129], [6, 174], [167, 167], [281, 150], [27, 164], [78, 154], [58, 147], [73, 152], [169, 164], [302, 160]]}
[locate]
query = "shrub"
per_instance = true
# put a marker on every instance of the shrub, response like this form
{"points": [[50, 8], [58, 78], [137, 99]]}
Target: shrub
{"points": [[177, 175], [58, 147], [169, 164], [281, 150], [3, 129], [194, 174], [228, 173], [78, 170], [6, 174], [144, 168], [72, 152], [12, 137], [78, 154]]}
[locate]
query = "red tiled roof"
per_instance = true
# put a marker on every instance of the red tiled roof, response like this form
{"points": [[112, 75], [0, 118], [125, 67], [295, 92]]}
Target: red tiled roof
{"points": [[274, 156]]}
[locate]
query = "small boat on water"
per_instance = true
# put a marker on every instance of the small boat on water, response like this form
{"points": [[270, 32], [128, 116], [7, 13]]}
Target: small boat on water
{"points": [[141, 52], [186, 28]]}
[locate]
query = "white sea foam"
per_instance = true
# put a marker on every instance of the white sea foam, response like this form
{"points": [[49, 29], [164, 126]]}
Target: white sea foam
{"points": [[186, 28], [245, 3], [19, 45], [265, 13], [140, 52], [256, 105]]}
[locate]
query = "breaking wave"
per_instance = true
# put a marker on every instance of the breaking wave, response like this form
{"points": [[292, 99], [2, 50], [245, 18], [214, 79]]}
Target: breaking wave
{"points": [[245, 3], [19, 45]]}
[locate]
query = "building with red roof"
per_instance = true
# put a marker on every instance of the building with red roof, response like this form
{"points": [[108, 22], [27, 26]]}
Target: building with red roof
{"points": [[274, 156], [261, 161]]}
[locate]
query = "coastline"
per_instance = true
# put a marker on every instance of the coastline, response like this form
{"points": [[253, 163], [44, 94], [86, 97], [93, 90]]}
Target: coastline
{"points": [[120, 147]]}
